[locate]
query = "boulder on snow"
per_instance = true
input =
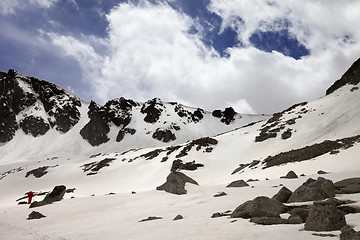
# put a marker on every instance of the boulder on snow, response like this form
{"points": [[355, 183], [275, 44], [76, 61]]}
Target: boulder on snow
{"points": [[348, 233], [283, 195], [290, 175], [151, 218], [175, 183], [238, 183], [313, 190], [348, 186], [178, 217], [259, 207], [269, 220], [324, 216], [35, 215], [56, 195]]}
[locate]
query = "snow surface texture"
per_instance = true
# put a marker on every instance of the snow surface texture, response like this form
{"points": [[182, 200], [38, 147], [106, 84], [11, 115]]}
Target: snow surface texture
{"points": [[91, 212]]}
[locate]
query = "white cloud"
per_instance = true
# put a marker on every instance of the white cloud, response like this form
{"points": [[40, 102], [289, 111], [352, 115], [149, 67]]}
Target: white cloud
{"points": [[11, 6], [148, 53]]}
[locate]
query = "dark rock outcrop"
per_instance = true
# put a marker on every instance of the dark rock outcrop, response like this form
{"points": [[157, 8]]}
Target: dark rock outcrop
{"points": [[34, 125], [151, 218], [178, 217], [35, 215], [313, 190], [348, 186], [164, 135], [94, 167], [283, 195], [38, 172], [220, 194], [237, 183], [324, 216], [269, 220], [152, 109], [54, 196], [227, 116], [259, 207], [175, 183], [351, 76]]}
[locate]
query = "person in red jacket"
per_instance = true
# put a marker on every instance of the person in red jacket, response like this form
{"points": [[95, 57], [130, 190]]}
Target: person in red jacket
{"points": [[30, 196]]}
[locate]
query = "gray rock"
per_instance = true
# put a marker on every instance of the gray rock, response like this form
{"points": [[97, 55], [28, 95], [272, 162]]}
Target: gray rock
{"points": [[269, 220], [238, 183], [283, 195], [324, 216], [175, 183], [220, 194], [348, 186], [259, 207], [35, 215], [151, 218], [178, 217], [290, 175], [313, 190], [348, 233], [56, 195], [302, 212]]}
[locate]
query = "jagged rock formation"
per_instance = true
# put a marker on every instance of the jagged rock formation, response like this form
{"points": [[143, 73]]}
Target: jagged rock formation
{"points": [[351, 76], [175, 183], [56, 195]]}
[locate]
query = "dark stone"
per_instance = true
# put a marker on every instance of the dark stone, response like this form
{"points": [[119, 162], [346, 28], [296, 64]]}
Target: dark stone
{"points": [[94, 167], [348, 186], [178, 217], [290, 175], [38, 172], [123, 132], [259, 207], [228, 115], [287, 134], [313, 190], [35, 215], [199, 143], [34, 125], [295, 219], [151, 218], [321, 172], [348, 233], [220, 194], [238, 183], [351, 76], [283, 195], [175, 183], [302, 212], [324, 216], [269, 220], [54, 196], [217, 113]]}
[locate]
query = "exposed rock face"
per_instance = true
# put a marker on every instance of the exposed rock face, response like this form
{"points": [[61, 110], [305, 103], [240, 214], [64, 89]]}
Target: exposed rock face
{"points": [[34, 125], [56, 195], [94, 167], [21, 92], [164, 135], [324, 216], [152, 109], [259, 207], [351, 76], [227, 116], [175, 183], [283, 195], [313, 190], [348, 186], [238, 183], [38, 172], [35, 215]]}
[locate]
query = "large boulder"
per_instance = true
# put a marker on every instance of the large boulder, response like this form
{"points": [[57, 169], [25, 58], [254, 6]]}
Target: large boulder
{"points": [[283, 195], [175, 183], [56, 195], [348, 186], [313, 190], [324, 216], [290, 175], [259, 207]]}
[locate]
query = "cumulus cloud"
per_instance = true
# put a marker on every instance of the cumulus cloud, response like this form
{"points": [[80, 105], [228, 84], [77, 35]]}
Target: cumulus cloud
{"points": [[149, 53]]}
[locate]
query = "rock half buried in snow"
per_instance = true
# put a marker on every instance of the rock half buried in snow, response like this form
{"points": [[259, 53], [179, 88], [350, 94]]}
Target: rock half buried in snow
{"points": [[175, 183], [348, 233], [56, 195], [290, 175], [35, 215], [324, 216], [238, 183], [259, 207], [313, 190]]}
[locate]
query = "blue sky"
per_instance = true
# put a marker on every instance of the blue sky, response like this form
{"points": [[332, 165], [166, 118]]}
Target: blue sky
{"points": [[258, 56]]}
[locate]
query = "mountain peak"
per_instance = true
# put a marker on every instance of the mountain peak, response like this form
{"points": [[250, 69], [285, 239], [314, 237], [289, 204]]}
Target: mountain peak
{"points": [[351, 76]]}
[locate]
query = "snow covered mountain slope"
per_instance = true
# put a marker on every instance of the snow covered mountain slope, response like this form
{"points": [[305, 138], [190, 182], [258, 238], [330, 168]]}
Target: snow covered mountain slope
{"points": [[307, 137]]}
